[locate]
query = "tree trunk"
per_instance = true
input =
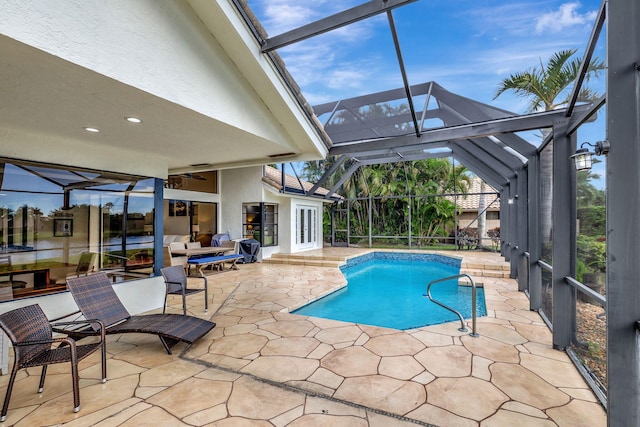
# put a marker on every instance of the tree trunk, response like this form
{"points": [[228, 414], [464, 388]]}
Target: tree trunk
{"points": [[482, 215], [546, 192]]}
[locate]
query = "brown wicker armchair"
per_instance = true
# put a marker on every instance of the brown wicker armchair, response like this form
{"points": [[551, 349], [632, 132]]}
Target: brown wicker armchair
{"points": [[31, 335], [176, 280]]}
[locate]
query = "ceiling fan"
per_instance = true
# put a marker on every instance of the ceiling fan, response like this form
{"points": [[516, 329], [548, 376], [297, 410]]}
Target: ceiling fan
{"points": [[177, 181]]}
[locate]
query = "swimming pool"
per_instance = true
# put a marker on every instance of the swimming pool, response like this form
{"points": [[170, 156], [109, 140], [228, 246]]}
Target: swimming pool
{"points": [[386, 289]]}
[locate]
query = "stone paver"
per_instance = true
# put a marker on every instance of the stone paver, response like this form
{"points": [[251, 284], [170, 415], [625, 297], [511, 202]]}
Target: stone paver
{"points": [[450, 361], [387, 394], [524, 386], [264, 366], [453, 394]]}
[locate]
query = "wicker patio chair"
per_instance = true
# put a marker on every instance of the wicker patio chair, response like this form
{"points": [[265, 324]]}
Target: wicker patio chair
{"points": [[176, 280], [31, 335], [96, 299]]}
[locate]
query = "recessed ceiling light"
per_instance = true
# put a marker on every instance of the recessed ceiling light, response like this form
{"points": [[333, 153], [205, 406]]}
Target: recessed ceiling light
{"points": [[133, 120], [94, 130]]}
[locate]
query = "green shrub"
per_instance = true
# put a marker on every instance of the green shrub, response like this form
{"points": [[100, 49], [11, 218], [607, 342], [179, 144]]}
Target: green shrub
{"points": [[593, 220], [592, 253]]}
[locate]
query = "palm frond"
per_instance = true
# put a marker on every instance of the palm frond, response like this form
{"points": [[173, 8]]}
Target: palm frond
{"points": [[544, 86]]}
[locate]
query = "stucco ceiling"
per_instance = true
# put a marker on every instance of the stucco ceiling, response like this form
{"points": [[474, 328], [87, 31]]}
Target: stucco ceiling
{"points": [[41, 94]]}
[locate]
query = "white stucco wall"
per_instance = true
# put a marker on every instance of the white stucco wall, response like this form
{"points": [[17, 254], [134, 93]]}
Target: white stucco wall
{"points": [[245, 185], [144, 44], [238, 186], [288, 242], [138, 296]]}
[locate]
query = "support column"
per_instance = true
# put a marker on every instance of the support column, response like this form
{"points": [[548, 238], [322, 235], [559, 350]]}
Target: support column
{"points": [[513, 228], [504, 223], [623, 202], [523, 238], [158, 225], [563, 235], [370, 220], [535, 245]]}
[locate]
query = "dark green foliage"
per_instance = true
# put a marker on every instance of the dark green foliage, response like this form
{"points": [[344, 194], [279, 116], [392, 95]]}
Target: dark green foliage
{"points": [[398, 196], [389, 192], [592, 253], [592, 217], [593, 220]]}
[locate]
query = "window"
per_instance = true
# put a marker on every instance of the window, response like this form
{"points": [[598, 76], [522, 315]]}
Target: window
{"points": [[260, 222], [493, 215], [51, 216]]}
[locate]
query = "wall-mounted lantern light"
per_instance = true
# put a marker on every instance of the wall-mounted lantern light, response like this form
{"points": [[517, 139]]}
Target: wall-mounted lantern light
{"points": [[583, 158]]}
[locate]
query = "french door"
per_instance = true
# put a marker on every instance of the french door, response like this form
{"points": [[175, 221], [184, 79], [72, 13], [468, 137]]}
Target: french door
{"points": [[306, 227]]}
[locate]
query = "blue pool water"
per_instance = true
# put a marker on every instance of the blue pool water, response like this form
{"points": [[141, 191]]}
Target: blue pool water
{"points": [[386, 289]]}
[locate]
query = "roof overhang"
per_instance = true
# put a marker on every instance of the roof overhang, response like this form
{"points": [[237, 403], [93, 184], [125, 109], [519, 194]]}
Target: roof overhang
{"points": [[45, 100]]}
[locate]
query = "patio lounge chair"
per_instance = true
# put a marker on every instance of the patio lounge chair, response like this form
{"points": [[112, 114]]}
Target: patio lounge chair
{"points": [[31, 335], [96, 299]]}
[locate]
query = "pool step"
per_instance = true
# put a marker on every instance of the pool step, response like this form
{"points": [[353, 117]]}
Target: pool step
{"points": [[486, 273], [293, 259], [502, 270], [473, 269]]}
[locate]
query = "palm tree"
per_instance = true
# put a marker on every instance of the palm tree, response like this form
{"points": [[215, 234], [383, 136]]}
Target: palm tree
{"points": [[549, 87], [382, 181], [587, 194]]}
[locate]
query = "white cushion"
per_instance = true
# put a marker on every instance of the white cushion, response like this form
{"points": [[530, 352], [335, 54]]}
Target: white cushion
{"points": [[177, 245], [169, 238]]}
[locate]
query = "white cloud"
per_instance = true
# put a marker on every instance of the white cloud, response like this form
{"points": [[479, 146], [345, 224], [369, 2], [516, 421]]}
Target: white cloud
{"points": [[284, 15], [566, 16], [486, 45], [327, 65], [501, 20], [281, 18]]}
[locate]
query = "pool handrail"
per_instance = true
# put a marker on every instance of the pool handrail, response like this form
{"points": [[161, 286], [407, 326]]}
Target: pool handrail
{"points": [[463, 327]]}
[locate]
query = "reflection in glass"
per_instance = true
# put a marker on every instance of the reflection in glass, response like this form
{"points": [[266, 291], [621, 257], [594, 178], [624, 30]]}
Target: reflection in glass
{"points": [[547, 295], [49, 216]]}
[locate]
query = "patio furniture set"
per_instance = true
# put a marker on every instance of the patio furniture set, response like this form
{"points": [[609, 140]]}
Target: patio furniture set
{"points": [[100, 313]]}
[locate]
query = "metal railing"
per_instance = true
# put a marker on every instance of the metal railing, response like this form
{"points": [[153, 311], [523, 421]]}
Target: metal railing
{"points": [[586, 290], [545, 266], [463, 327]]}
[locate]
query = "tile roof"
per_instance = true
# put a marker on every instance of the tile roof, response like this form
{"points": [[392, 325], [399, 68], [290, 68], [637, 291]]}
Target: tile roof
{"points": [[273, 177], [471, 200]]}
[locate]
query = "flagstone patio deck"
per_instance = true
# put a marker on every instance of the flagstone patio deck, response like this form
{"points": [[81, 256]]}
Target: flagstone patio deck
{"points": [[262, 366]]}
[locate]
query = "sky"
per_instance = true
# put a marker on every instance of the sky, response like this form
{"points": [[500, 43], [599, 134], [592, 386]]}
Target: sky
{"points": [[467, 46]]}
